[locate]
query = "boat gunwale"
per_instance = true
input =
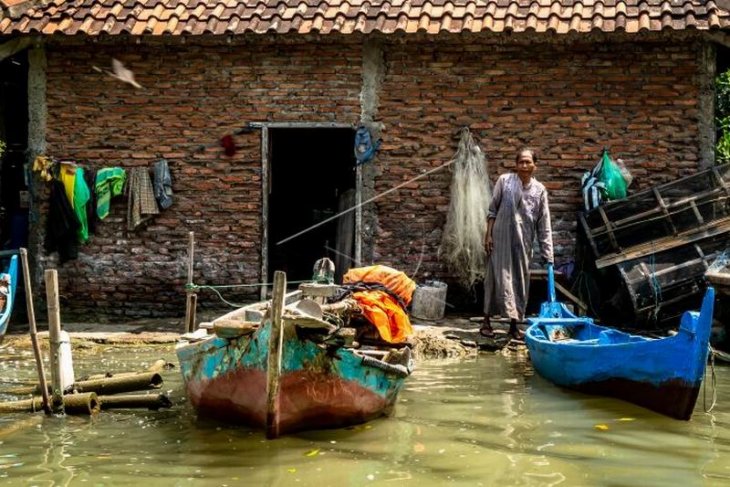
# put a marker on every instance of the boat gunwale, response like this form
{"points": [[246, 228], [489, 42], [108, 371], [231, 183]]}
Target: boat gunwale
{"points": [[592, 343]]}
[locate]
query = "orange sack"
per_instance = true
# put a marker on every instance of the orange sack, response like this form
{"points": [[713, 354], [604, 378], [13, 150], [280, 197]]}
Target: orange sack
{"points": [[384, 312], [395, 281]]}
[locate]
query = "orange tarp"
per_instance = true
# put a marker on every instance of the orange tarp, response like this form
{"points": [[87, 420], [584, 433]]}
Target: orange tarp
{"points": [[396, 281], [383, 311]]}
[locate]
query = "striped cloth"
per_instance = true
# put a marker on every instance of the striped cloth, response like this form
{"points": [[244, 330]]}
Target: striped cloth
{"points": [[141, 204]]}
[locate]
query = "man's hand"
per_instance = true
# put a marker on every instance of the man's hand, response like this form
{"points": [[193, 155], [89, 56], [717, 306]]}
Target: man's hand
{"points": [[489, 244]]}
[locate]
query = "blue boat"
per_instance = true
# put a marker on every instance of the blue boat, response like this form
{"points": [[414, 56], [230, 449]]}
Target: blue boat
{"points": [[8, 291], [660, 374], [270, 366]]}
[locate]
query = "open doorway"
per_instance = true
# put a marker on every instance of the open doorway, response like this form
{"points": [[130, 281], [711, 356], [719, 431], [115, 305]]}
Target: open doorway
{"points": [[14, 196], [312, 178]]}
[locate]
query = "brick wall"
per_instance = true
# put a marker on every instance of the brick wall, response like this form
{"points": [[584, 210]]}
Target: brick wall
{"points": [[566, 100], [193, 94]]}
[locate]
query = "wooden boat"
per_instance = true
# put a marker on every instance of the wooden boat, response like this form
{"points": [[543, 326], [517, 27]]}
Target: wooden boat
{"points": [[661, 374], [11, 271], [269, 365]]}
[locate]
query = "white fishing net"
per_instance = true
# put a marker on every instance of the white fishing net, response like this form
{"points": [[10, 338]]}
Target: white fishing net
{"points": [[721, 262], [462, 246]]}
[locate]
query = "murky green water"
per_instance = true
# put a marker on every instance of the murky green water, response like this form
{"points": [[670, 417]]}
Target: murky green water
{"points": [[484, 422]]}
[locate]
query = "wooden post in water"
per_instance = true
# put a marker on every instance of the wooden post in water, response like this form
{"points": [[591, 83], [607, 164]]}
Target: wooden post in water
{"points": [[273, 368], [54, 338], [191, 298], [34, 331]]}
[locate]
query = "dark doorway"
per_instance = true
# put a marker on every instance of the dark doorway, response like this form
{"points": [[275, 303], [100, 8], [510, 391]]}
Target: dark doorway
{"points": [[14, 196], [312, 179]]}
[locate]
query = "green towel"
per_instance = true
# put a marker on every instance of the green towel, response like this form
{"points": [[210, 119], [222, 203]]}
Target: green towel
{"points": [[109, 183], [82, 195]]}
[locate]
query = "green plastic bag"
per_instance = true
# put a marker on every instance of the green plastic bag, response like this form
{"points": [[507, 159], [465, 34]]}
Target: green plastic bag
{"points": [[611, 176]]}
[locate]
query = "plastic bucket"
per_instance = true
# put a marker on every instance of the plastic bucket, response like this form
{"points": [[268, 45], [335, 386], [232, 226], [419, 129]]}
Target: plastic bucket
{"points": [[429, 301]]}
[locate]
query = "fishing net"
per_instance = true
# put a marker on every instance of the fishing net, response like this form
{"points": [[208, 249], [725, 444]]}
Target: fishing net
{"points": [[462, 246], [721, 262]]}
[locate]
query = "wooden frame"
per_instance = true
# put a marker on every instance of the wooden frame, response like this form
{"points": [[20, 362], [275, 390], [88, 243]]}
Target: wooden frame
{"points": [[266, 187]]}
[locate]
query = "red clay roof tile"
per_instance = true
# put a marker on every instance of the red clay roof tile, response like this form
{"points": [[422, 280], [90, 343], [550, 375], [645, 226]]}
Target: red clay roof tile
{"points": [[176, 17]]}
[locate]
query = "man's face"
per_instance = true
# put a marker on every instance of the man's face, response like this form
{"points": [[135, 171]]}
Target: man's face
{"points": [[525, 164]]}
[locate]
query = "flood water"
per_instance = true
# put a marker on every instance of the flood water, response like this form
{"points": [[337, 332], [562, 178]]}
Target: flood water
{"points": [[488, 421]]}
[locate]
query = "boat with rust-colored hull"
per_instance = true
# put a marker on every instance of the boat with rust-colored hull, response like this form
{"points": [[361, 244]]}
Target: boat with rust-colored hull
{"points": [[231, 375], [661, 374]]}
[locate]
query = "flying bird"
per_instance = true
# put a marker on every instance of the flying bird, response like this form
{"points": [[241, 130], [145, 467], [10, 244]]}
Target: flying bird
{"points": [[120, 72]]}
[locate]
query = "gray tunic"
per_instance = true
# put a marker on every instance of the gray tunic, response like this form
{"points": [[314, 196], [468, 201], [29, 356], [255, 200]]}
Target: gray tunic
{"points": [[521, 214]]}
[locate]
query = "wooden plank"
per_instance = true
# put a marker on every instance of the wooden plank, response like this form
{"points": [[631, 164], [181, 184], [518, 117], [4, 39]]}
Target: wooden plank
{"points": [[273, 369], [696, 211], [718, 278], [54, 337], [191, 299], [582, 307], [641, 217], [609, 230], [664, 210], [711, 229], [266, 191]]}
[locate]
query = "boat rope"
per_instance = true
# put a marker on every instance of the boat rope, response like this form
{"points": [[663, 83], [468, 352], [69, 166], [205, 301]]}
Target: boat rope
{"points": [[377, 196], [714, 384], [195, 288]]}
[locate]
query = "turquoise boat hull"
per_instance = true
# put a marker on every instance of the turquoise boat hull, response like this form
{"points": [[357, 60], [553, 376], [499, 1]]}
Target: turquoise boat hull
{"points": [[661, 374], [320, 386]]}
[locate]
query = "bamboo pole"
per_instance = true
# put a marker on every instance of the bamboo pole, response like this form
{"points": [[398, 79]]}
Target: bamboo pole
{"points": [[126, 383], [191, 299], [86, 403], [106, 385], [273, 369], [54, 337], [34, 331], [157, 367], [148, 401]]}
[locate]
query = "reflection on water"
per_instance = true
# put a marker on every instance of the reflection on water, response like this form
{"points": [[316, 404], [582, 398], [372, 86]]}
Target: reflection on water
{"points": [[489, 421]]}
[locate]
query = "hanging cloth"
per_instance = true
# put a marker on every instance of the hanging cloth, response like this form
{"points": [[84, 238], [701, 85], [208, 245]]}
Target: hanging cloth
{"points": [[109, 183], [90, 180], [67, 174], [61, 225], [141, 204], [365, 147], [81, 198], [163, 184]]}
